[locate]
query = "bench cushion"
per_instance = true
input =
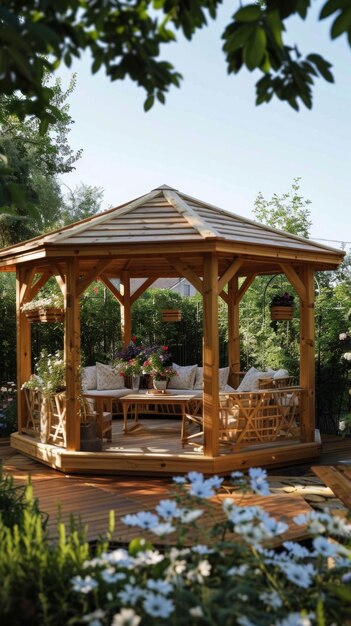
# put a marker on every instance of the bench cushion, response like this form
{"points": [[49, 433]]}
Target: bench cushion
{"points": [[185, 377]]}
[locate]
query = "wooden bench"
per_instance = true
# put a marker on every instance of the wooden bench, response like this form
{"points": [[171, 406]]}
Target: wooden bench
{"points": [[253, 417]]}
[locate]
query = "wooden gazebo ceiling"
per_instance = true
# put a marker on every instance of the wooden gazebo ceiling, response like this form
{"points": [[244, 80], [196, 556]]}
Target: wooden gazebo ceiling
{"points": [[147, 235]]}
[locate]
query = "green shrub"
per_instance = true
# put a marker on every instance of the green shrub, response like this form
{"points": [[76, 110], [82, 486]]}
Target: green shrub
{"points": [[35, 572]]}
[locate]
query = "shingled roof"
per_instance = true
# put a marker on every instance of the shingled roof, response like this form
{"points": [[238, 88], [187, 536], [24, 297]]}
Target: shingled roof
{"points": [[166, 215]]}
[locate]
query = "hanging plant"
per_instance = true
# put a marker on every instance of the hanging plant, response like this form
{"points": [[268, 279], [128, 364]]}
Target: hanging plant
{"points": [[281, 306], [46, 309]]}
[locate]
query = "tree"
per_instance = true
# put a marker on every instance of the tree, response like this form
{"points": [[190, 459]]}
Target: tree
{"points": [[287, 212], [125, 39], [79, 203], [35, 161]]}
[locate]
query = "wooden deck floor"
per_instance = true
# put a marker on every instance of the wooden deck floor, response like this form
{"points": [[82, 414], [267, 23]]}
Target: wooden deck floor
{"points": [[93, 497]]}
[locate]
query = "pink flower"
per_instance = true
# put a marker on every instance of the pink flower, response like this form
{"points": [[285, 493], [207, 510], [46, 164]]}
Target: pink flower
{"points": [[164, 348]]}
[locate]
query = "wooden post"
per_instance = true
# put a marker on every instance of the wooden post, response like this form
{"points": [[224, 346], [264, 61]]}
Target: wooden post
{"points": [[24, 346], [210, 355], [233, 332], [307, 363], [126, 318], [72, 356]]}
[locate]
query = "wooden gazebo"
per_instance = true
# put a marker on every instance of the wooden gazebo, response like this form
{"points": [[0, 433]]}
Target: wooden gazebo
{"points": [[166, 233]]}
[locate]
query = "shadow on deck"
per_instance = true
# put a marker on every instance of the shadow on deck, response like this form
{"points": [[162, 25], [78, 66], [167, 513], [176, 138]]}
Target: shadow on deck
{"points": [[93, 497]]}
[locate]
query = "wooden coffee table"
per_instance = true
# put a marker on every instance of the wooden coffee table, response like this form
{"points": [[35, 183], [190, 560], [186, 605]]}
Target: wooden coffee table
{"points": [[148, 403]]}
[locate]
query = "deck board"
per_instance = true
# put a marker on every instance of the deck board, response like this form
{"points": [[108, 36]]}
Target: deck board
{"points": [[338, 478], [92, 497]]}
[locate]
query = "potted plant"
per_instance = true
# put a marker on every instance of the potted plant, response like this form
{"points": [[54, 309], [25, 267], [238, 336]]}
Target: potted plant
{"points": [[159, 372], [89, 440], [281, 306], [45, 309], [152, 361]]}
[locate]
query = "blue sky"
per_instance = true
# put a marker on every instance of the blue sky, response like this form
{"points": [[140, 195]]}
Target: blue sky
{"points": [[211, 141]]}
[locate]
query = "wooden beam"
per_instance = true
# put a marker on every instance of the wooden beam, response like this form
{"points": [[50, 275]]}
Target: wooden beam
{"points": [[204, 228], [210, 356], [58, 271], [26, 285], [244, 287], [138, 292], [72, 356], [60, 278], [307, 362], [126, 321], [24, 348], [224, 296], [188, 273], [83, 283], [295, 280], [117, 294], [40, 283], [229, 273], [233, 332]]}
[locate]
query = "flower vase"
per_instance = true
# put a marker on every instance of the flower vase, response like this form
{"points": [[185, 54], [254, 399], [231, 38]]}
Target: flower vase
{"points": [[135, 382], [161, 385]]}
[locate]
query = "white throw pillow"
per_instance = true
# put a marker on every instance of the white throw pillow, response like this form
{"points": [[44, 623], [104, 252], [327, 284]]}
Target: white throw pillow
{"points": [[281, 373], [89, 378], [223, 378], [250, 380], [199, 381], [108, 377], [256, 382], [185, 377]]}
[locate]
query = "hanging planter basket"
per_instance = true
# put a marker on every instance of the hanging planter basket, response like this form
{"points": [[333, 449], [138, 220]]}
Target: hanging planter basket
{"points": [[281, 313], [49, 314], [171, 315]]}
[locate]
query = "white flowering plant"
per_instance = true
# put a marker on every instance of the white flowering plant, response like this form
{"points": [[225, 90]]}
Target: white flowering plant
{"points": [[50, 376], [227, 573], [54, 300], [345, 337]]}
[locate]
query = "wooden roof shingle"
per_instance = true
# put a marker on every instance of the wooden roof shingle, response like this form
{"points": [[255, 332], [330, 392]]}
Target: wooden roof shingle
{"points": [[166, 215]]}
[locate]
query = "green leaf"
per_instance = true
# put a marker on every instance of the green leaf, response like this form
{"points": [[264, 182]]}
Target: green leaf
{"points": [[341, 24], [322, 65], [161, 97], [293, 103], [96, 66], [265, 65], [21, 63], [239, 37], [250, 13], [149, 103], [255, 49], [275, 27], [139, 544], [332, 6]]}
